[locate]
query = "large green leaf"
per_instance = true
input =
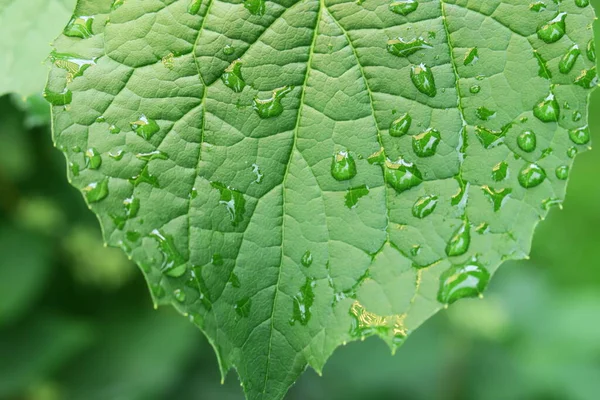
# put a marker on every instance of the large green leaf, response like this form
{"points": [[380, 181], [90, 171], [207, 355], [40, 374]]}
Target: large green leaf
{"points": [[296, 175], [26, 28]]}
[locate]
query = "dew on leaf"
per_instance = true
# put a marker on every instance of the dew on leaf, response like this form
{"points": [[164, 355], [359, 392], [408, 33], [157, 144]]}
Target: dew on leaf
{"points": [[471, 57], [114, 130], [576, 117], [544, 71], [475, 89], [233, 200], [216, 259], [259, 175], [461, 281], [307, 259], [172, 261], [537, 6], [403, 7], [235, 281], [144, 177], [588, 78], [591, 50], [228, 50], [145, 127], [74, 65], [93, 159], [485, 114], [256, 7], [302, 303], [194, 7], [497, 197], [179, 295], [424, 206], [80, 27], [354, 194], [404, 48], [116, 4], [460, 241], [343, 166], [568, 60], [96, 191], [422, 77], [271, 107], [118, 155], [582, 3], [531, 175], [152, 155], [58, 98], [425, 144], [74, 167], [400, 126], [500, 171], [402, 175], [551, 203], [489, 138], [554, 30], [242, 307], [547, 110], [527, 141], [562, 172], [580, 135], [232, 77]]}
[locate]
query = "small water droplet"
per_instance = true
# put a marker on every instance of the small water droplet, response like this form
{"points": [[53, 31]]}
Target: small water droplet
{"points": [[256, 7], [548, 110], [194, 7], [527, 141], [422, 77], [500, 171], [537, 6], [302, 303], [343, 166], [576, 117], [145, 127], [568, 60], [591, 50], [93, 159], [562, 172], [152, 155], [74, 167], [179, 295], [216, 259], [471, 57], [580, 135], [485, 114], [144, 177], [531, 175], [403, 7], [497, 197], [173, 263], [400, 126], [228, 50], [80, 27], [424, 206], [402, 175], [354, 194], [404, 48], [259, 175], [460, 241], [58, 98], [551, 203], [307, 259], [232, 77], [544, 71], [233, 200], [96, 191], [114, 130], [242, 307], [475, 89], [461, 281], [588, 78], [425, 144], [554, 30], [488, 138], [572, 152], [271, 107]]}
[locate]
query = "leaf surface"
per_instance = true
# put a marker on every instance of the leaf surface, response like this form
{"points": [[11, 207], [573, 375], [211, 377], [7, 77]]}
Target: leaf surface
{"points": [[294, 175]]}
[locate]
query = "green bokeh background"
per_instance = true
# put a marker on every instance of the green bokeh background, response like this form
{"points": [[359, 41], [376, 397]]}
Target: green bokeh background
{"points": [[76, 320]]}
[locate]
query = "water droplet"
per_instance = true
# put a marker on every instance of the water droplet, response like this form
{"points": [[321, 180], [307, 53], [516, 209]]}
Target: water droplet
{"points": [[471, 57], [497, 197], [96, 191], [400, 126], [144, 177], [422, 77], [354, 194], [402, 175], [588, 78], [235, 281], [489, 138], [403, 7], [93, 159], [425, 144], [80, 27], [500, 171], [194, 7], [582, 3], [179, 295], [554, 30], [256, 7], [216, 259], [544, 71], [58, 98], [591, 50], [562, 172], [74, 167], [404, 48], [572, 152], [101, 119], [228, 50], [551, 202], [527, 141], [548, 110], [460, 241], [424, 206], [537, 6], [242, 307], [307, 259], [271, 107], [233, 200], [576, 117], [133, 236], [74, 65], [117, 156], [531, 175], [415, 250], [302, 303], [460, 281], [114, 130], [152, 155], [485, 114], [232, 77], [568, 60], [145, 127], [475, 89], [580, 135], [343, 166], [259, 175], [173, 263]]}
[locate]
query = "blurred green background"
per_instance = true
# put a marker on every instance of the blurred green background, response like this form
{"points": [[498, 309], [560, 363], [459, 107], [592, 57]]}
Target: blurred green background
{"points": [[76, 320]]}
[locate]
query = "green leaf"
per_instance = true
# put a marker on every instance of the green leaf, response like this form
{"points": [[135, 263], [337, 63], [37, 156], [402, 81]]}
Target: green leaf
{"points": [[256, 160], [27, 27]]}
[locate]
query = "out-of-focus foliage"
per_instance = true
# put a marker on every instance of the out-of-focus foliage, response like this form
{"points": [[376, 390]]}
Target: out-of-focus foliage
{"points": [[76, 323]]}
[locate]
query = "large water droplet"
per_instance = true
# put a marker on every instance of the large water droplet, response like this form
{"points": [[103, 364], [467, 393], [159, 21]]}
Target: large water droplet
{"points": [[424, 206], [96, 191], [460, 241], [403, 7], [232, 77], [562, 172], [145, 127], [354, 194], [404, 48], [343, 166], [460, 281], [582, 3], [527, 141], [74, 65], [80, 26], [489, 138], [422, 77], [302, 303], [271, 107], [425, 144], [233, 200], [497, 197], [400, 126], [568, 60], [580, 135], [531, 175], [548, 110], [553, 30], [588, 78], [58, 98], [402, 175]]}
